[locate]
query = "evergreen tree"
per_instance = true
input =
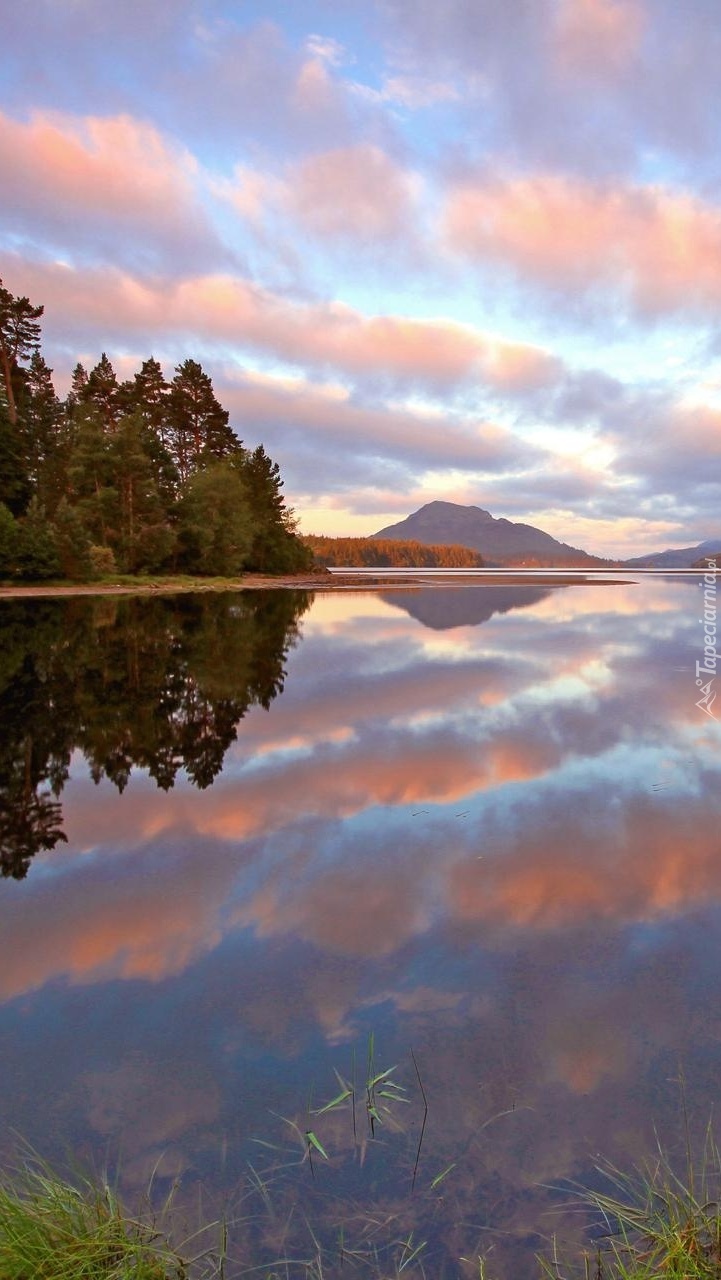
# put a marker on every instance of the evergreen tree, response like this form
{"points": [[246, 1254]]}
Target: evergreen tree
{"points": [[198, 427], [19, 338], [92, 489], [101, 390], [78, 383], [275, 547], [44, 424], [147, 396], [9, 538], [72, 544], [37, 555], [143, 538], [216, 521], [15, 485]]}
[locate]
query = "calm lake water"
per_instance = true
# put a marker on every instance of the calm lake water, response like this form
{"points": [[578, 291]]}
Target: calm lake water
{"points": [[246, 838]]}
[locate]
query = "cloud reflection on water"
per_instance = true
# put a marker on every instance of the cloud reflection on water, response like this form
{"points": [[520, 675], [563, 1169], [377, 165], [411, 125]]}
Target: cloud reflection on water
{"points": [[499, 844]]}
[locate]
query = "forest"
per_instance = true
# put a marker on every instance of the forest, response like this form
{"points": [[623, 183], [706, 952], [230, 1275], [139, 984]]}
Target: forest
{"points": [[381, 553], [138, 476]]}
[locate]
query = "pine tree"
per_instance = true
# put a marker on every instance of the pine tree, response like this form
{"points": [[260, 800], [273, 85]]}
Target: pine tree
{"points": [[42, 416], [78, 383], [147, 397], [216, 521], [143, 538], [147, 394], [15, 485], [37, 555], [197, 422], [9, 540], [101, 390], [72, 543], [19, 338], [275, 548], [90, 475]]}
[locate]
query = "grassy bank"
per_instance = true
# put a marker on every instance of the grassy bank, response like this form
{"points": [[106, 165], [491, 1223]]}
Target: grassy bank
{"points": [[651, 1227], [162, 584], [54, 1229]]}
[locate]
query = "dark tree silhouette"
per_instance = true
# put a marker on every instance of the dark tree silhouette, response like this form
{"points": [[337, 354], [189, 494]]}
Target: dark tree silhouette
{"points": [[153, 684], [19, 338]]}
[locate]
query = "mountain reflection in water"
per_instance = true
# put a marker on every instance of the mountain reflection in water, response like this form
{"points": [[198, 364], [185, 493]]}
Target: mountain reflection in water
{"points": [[448, 607], [497, 845]]}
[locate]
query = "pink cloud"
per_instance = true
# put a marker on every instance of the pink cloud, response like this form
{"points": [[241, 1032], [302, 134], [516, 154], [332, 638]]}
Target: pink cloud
{"points": [[233, 311], [595, 37], [661, 247], [124, 935], [314, 90], [663, 864], [355, 192], [92, 181], [108, 161]]}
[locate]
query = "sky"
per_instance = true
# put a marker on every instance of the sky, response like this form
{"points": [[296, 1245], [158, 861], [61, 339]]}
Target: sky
{"points": [[467, 251]]}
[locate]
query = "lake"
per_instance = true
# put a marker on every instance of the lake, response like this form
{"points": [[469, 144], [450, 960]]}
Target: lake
{"points": [[446, 858]]}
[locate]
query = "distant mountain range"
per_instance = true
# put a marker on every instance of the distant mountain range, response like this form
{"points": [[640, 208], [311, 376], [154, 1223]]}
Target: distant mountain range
{"points": [[677, 558], [503, 542]]}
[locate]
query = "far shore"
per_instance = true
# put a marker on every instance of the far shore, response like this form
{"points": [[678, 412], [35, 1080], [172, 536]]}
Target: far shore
{"points": [[301, 582]]}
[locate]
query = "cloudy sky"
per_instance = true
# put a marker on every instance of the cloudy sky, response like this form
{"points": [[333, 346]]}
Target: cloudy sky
{"points": [[466, 250]]}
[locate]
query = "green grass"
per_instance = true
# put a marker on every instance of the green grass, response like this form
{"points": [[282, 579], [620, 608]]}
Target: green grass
{"points": [[55, 1229], [142, 582], [650, 1225], [139, 580], [655, 1224]]}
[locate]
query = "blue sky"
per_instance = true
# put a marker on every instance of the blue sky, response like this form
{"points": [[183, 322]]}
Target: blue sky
{"points": [[469, 251]]}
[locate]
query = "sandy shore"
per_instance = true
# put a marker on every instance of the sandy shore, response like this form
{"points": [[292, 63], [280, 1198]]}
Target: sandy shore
{"points": [[302, 582]]}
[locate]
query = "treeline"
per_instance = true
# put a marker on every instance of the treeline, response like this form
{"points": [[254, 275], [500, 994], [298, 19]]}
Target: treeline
{"points": [[142, 475], [382, 553]]}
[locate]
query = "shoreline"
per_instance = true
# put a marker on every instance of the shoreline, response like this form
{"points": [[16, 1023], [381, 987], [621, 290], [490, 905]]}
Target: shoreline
{"points": [[301, 582]]}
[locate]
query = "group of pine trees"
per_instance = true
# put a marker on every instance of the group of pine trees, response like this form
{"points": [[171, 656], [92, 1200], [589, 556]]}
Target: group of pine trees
{"points": [[144, 475], [388, 553]]}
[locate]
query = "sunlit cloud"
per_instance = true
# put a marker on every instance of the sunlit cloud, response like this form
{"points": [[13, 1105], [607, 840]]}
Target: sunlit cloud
{"points": [[510, 215], [97, 184], [598, 36], [656, 248]]}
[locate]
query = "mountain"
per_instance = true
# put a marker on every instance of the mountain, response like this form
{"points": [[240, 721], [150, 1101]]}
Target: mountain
{"points": [[464, 606], [676, 557], [499, 541]]}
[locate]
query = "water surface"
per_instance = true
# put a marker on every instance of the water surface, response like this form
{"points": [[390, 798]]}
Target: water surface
{"points": [[245, 836]]}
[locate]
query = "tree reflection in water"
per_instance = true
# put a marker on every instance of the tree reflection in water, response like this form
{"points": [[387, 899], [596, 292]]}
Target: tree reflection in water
{"points": [[157, 684]]}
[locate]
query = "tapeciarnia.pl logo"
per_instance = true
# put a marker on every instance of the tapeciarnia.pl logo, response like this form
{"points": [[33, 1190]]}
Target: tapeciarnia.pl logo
{"points": [[706, 670]]}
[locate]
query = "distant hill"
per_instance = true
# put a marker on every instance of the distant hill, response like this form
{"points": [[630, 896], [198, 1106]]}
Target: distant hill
{"points": [[499, 541], [677, 557], [375, 553]]}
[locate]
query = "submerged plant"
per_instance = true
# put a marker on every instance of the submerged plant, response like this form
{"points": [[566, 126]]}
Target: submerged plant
{"points": [[379, 1093]]}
